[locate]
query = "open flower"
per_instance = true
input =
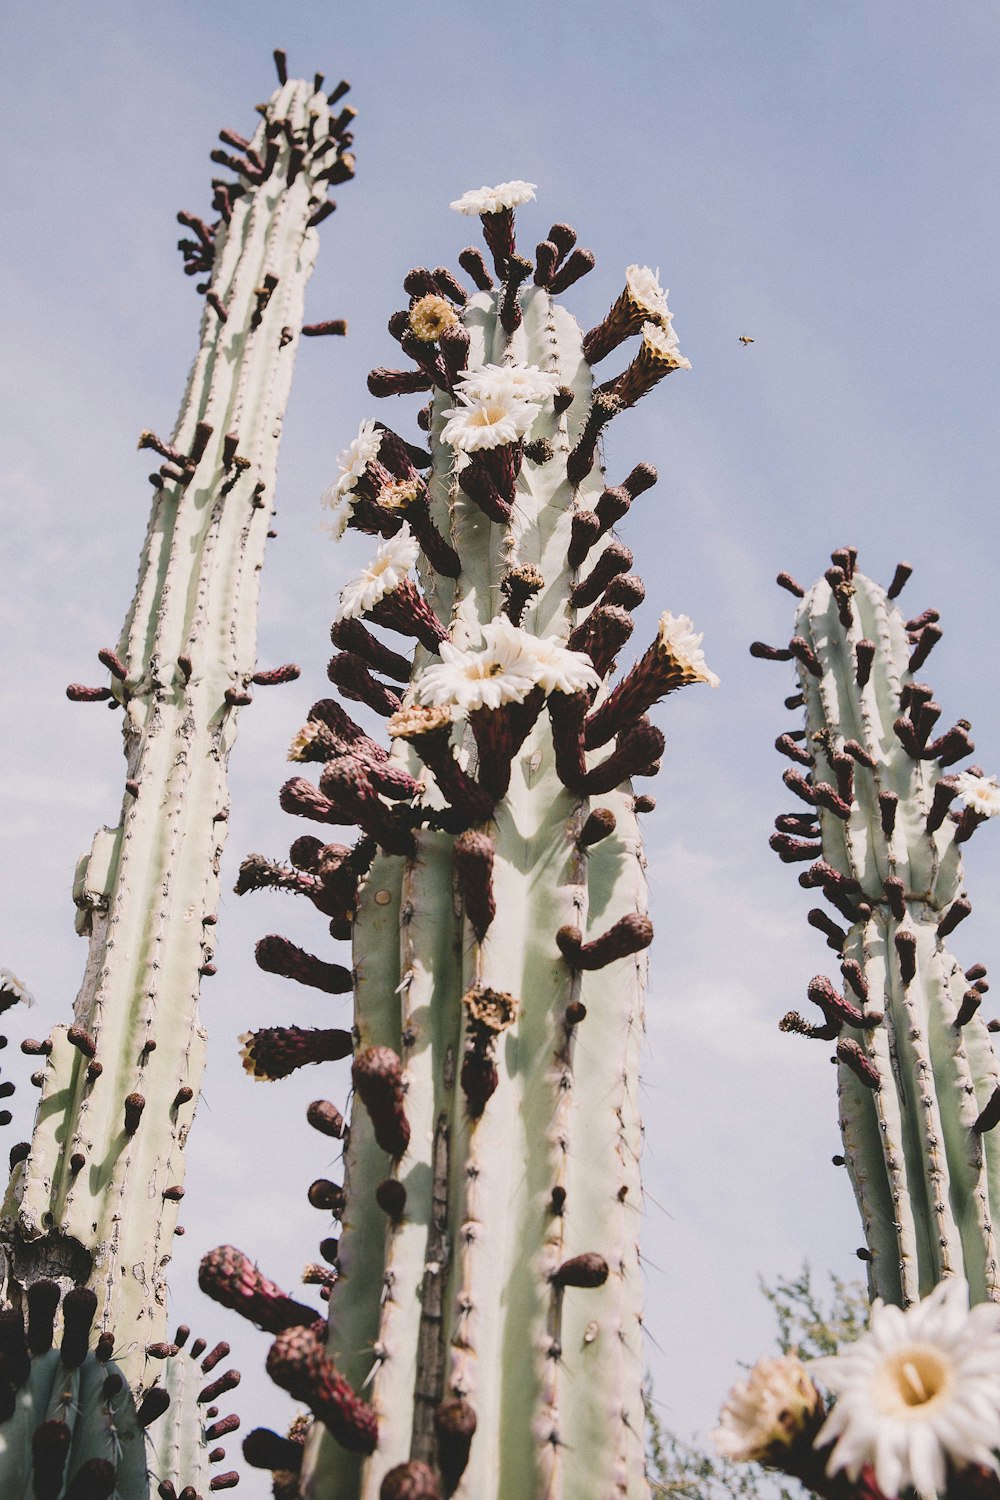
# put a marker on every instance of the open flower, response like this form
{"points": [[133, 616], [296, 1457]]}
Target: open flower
{"points": [[488, 424], [520, 381], [659, 342], [560, 670], [493, 200], [504, 671], [431, 316], [922, 1387], [351, 465], [682, 644], [767, 1412], [13, 991], [642, 286], [384, 573], [981, 793]]}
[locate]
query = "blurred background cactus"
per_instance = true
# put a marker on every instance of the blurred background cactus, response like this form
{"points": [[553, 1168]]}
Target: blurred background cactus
{"points": [[93, 1198], [884, 813], [486, 1299]]}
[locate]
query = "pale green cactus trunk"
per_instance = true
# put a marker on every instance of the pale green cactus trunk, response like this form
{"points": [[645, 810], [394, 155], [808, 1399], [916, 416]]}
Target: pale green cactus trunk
{"points": [[485, 1321], [916, 1067], [95, 1200]]}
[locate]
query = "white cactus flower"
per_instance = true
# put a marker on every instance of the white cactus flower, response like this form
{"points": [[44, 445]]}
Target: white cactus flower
{"points": [[384, 573], [682, 643], [488, 424], [560, 670], [922, 1387], [353, 462], [493, 200], [523, 382], [643, 286], [504, 671], [981, 793], [660, 342], [10, 985], [766, 1411]]}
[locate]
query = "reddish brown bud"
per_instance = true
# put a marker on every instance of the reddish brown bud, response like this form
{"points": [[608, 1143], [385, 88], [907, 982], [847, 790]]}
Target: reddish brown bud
{"points": [[853, 1056], [78, 692], [990, 1116], [957, 912], [377, 1075], [276, 1051], [479, 1080], [78, 1310], [227, 1381], [326, 1118], [43, 1299], [276, 955], [588, 1270], [228, 1276], [906, 947], [328, 1196], [473, 858], [264, 1449], [134, 1106], [865, 654], [297, 1362], [600, 823], [630, 934], [410, 1481], [390, 1195], [455, 1427], [803, 652]]}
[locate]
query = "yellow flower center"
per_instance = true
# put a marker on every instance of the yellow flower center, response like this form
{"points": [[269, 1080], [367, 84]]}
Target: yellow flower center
{"points": [[912, 1380], [488, 415]]}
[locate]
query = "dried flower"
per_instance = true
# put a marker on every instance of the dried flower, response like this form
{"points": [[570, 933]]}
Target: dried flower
{"points": [[920, 1389], [431, 316], [767, 1412], [384, 573], [981, 793], [493, 200]]}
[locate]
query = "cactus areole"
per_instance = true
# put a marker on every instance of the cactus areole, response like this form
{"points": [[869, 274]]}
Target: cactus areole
{"points": [[94, 1201], [485, 1322]]}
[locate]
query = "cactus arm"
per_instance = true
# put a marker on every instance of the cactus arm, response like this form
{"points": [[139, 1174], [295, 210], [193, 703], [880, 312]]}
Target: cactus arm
{"points": [[97, 1195], [923, 1168]]}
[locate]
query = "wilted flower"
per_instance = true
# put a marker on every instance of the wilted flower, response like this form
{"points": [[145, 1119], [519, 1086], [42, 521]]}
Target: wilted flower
{"points": [[767, 1412], [384, 573], [981, 793], [493, 200], [920, 1389]]}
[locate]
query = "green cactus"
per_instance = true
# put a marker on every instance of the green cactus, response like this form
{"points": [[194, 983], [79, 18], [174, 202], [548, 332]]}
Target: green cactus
{"points": [[93, 1200], [918, 1082], [69, 1428], [485, 1321]]}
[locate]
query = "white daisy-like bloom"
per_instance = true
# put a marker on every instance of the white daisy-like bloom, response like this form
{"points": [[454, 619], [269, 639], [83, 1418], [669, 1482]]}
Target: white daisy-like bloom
{"points": [[643, 286], [523, 382], [920, 1388], [766, 1411], [661, 343], [384, 573], [353, 462], [504, 671], [981, 793], [493, 200], [488, 424], [682, 643], [11, 985], [560, 670]]}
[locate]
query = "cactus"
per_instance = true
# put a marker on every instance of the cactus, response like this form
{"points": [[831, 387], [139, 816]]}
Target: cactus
{"points": [[918, 1082], [69, 1426], [485, 1317], [94, 1199]]}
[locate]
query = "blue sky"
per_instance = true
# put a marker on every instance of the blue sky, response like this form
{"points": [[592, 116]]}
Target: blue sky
{"points": [[820, 177]]}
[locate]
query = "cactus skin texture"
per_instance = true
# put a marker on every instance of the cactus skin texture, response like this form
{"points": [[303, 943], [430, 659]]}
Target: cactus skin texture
{"points": [[916, 1069], [69, 1429], [95, 1201], [487, 1301]]}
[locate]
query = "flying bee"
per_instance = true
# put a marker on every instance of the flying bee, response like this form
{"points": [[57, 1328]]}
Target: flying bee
{"points": [[745, 339]]}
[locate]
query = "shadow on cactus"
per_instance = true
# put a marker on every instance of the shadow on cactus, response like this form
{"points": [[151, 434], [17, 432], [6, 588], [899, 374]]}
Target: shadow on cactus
{"points": [[485, 1310]]}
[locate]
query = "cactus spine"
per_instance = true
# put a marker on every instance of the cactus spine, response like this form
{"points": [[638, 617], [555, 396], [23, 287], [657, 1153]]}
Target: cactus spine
{"points": [[487, 1305], [94, 1201], [918, 1082]]}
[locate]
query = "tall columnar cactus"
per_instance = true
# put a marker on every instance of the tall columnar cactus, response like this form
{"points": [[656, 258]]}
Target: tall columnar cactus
{"points": [[918, 1082], [94, 1199], [485, 1322]]}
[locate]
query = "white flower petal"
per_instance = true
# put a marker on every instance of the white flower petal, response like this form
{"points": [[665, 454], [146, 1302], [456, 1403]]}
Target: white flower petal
{"points": [[981, 793], [353, 461], [520, 381], [384, 573], [492, 200], [492, 423]]}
